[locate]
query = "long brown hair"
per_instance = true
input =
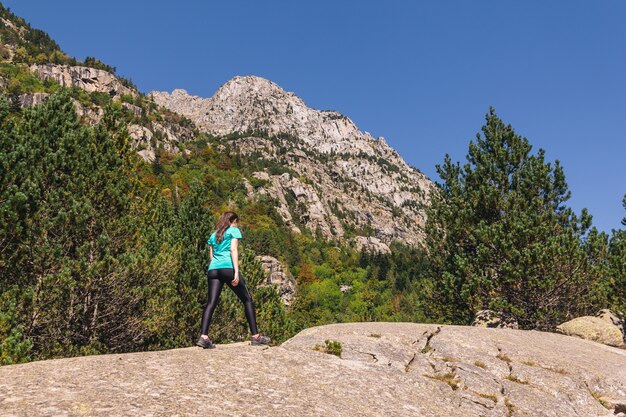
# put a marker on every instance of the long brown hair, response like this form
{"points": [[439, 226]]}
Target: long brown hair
{"points": [[222, 224]]}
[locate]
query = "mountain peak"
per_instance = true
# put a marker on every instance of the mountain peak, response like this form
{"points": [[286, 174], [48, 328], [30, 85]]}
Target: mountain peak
{"points": [[246, 87], [250, 81]]}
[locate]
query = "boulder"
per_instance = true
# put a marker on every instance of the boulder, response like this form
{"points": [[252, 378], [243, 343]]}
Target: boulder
{"points": [[92, 115], [592, 328], [131, 108], [147, 154], [141, 136], [492, 319], [615, 318]]}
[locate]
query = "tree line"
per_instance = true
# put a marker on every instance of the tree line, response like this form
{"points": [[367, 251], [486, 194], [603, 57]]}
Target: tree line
{"points": [[102, 252]]}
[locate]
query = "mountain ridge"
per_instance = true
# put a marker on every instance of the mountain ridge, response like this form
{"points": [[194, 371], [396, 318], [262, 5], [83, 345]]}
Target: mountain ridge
{"points": [[382, 192], [326, 175]]}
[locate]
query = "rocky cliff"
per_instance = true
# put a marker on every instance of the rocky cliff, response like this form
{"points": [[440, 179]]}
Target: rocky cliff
{"points": [[338, 178], [88, 79], [383, 369]]}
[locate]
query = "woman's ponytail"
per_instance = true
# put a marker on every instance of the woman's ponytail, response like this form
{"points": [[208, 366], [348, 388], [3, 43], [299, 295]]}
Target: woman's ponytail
{"points": [[222, 224]]}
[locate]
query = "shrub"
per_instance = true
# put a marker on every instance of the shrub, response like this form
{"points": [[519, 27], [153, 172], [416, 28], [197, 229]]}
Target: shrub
{"points": [[332, 347]]}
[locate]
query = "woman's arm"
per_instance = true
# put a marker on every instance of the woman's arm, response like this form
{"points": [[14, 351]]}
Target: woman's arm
{"points": [[210, 253], [234, 254]]}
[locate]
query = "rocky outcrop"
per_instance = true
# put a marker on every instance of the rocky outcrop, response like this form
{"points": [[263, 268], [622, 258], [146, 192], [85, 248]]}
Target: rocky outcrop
{"points": [[160, 134], [592, 328], [384, 369], [89, 114], [310, 196], [92, 115], [86, 78], [341, 178], [278, 277], [33, 99], [370, 244], [492, 319]]}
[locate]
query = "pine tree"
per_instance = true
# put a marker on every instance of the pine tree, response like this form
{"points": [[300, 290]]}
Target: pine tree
{"points": [[71, 235], [501, 237], [617, 267]]}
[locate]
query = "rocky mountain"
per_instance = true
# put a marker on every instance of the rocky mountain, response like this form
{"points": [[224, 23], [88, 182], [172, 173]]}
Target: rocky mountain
{"points": [[355, 369], [324, 174], [338, 180]]}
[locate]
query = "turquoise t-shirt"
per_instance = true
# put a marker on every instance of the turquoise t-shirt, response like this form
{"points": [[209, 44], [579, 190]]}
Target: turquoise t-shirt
{"points": [[221, 251]]}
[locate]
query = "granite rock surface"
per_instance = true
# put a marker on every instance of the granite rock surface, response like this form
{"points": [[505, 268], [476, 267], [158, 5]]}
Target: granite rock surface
{"points": [[385, 369]]}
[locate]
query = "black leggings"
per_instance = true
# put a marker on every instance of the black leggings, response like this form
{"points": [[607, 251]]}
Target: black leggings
{"points": [[217, 278]]}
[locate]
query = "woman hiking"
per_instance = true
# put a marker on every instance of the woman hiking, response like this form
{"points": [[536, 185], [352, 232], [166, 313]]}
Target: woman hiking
{"points": [[224, 269]]}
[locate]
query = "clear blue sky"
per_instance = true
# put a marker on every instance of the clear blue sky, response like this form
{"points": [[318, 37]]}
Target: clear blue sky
{"points": [[421, 74]]}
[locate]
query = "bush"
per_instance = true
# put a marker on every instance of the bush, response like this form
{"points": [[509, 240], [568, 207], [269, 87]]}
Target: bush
{"points": [[14, 346], [332, 347]]}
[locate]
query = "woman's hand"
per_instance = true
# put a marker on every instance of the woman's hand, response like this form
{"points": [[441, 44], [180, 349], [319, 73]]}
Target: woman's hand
{"points": [[235, 280]]}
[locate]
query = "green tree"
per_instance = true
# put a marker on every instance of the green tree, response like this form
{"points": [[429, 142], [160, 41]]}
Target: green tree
{"points": [[14, 346], [500, 236], [70, 231], [617, 267]]}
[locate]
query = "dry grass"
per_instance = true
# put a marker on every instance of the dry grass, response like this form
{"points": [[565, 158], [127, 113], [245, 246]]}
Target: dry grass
{"points": [[509, 407], [513, 378], [488, 396], [449, 378], [503, 357], [480, 364], [547, 368], [598, 397]]}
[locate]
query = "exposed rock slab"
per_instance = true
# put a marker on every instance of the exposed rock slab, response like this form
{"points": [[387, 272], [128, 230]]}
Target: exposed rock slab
{"points": [[33, 99], [390, 369]]}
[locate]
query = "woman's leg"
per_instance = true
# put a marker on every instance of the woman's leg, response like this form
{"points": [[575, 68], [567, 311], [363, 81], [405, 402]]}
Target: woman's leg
{"points": [[215, 288], [244, 295]]}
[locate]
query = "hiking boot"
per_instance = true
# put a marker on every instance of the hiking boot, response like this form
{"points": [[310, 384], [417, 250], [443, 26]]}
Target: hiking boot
{"points": [[205, 343], [261, 340]]}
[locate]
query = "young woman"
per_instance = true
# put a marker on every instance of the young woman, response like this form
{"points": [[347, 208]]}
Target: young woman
{"points": [[224, 269]]}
